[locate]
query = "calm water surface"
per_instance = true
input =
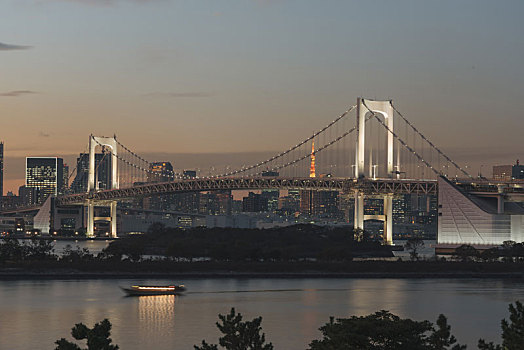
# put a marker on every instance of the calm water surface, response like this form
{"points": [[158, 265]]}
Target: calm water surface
{"points": [[33, 314]]}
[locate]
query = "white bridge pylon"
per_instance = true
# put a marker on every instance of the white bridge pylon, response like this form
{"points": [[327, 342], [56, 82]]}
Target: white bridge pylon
{"points": [[92, 184], [385, 108]]}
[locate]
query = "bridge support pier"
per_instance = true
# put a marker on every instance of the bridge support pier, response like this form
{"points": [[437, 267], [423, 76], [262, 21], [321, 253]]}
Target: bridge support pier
{"points": [[359, 211], [113, 220], [92, 183], [387, 217], [90, 225]]}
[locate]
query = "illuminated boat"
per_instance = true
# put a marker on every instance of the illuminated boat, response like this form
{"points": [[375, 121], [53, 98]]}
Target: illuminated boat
{"points": [[154, 290]]}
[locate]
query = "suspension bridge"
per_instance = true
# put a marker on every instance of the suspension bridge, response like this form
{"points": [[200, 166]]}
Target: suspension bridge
{"points": [[371, 149]]}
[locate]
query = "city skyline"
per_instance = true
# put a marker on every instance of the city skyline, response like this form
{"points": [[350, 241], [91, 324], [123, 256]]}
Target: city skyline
{"points": [[102, 67]]}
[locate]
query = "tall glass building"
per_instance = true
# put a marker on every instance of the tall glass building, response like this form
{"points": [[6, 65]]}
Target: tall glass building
{"points": [[102, 172], [45, 175]]}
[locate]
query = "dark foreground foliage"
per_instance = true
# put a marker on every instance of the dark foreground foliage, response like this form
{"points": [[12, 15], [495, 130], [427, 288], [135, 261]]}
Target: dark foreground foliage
{"points": [[97, 337], [379, 331], [290, 243], [385, 331], [238, 334]]}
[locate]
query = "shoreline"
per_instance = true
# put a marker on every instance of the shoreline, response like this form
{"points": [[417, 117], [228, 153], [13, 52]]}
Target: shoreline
{"points": [[79, 275]]}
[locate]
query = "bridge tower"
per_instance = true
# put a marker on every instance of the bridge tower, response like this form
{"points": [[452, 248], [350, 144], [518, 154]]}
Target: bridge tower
{"points": [[385, 108], [92, 185]]}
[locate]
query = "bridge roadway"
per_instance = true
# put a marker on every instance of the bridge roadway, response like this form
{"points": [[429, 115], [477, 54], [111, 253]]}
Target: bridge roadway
{"points": [[346, 185]]}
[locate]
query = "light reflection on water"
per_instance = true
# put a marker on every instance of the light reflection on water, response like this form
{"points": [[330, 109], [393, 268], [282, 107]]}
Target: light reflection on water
{"points": [[33, 314]]}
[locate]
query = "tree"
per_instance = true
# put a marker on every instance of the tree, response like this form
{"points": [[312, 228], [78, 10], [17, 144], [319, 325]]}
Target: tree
{"points": [[489, 255], [466, 253], [238, 335], [512, 331], [441, 338], [385, 331], [413, 245], [11, 250], [97, 337], [39, 249], [75, 255]]}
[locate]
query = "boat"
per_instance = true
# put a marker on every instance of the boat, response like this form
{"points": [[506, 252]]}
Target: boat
{"points": [[154, 290]]}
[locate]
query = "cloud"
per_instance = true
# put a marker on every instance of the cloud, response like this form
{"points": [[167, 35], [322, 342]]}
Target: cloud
{"points": [[7, 47], [17, 93], [180, 94], [43, 134]]}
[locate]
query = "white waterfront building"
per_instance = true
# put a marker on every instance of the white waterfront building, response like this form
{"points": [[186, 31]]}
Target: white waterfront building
{"points": [[466, 218]]}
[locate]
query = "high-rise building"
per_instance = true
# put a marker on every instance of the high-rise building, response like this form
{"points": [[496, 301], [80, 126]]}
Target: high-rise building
{"points": [[254, 203], [27, 195], [502, 172], [45, 175], [319, 203], [517, 171], [102, 172], [187, 202], [271, 195], [65, 181], [160, 171], [225, 202], [216, 203], [508, 172]]}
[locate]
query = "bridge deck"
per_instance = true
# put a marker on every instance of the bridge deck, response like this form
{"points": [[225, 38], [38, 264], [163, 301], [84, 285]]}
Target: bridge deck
{"points": [[377, 186]]}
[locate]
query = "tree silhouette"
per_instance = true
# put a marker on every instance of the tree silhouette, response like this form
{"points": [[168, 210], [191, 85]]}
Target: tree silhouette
{"points": [[238, 335], [512, 331], [413, 245], [385, 331], [97, 337]]}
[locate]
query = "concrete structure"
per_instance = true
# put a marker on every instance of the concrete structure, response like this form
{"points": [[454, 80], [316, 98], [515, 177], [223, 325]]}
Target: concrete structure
{"points": [[93, 186], [102, 173], [472, 218], [385, 108]]}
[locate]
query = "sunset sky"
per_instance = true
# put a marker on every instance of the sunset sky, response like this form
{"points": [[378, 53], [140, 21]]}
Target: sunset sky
{"points": [[180, 77]]}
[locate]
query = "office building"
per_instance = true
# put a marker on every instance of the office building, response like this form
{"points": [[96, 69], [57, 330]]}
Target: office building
{"points": [[65, 181], [319, 203], [508, 172], [271, 195], [160, 172], [254, 203], [102, 172], [45, 175], [517, 171], [216, 203], [502, 172], [27, 195]]}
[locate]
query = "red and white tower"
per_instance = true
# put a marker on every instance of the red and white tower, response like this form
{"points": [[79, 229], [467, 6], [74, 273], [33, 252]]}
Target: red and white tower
{"points": [[312, 172]]}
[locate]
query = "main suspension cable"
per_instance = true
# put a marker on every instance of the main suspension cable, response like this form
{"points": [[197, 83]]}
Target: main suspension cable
{"points": [[401, 141], [429, 142]]}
